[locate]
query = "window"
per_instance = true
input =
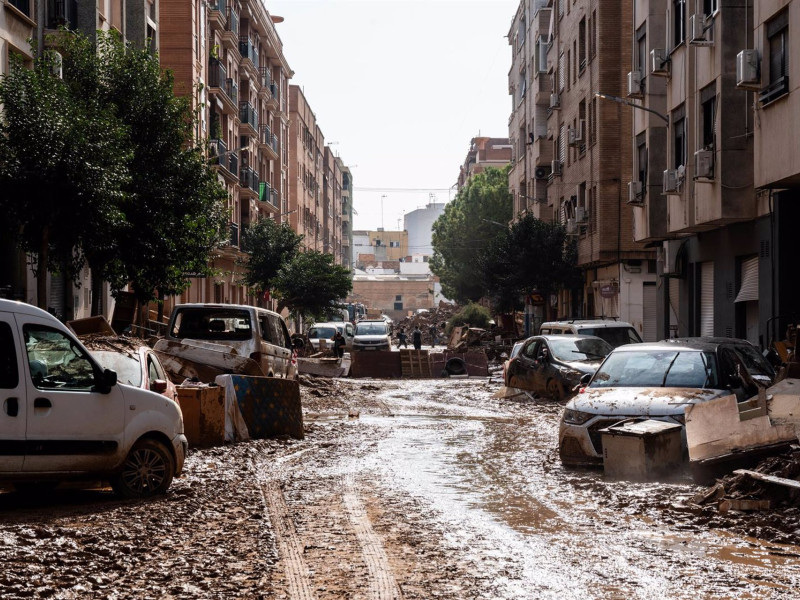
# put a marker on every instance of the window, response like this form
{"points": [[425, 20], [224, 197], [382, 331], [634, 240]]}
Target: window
{"points": [[679, 137], [56, 361], [523, 84], [641, 159], [561, 72], [582, 43], [678, 22], [593, 35], [641, 52], [394, 244], [708, 112], [9, 373], [398, 298], [23, 6], [592, 121], [710, 6], [778, 46]]}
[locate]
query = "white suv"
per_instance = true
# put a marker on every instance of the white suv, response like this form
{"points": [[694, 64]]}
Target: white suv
{"points": [[616, 333], [62, 416]]}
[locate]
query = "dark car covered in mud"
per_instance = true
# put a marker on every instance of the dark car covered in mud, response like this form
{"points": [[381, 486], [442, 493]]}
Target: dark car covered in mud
{"points": [[657, 381], [552, 365]]}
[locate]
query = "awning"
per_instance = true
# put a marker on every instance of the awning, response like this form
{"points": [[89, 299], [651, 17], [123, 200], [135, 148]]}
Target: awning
{"points": [[748, 291]]}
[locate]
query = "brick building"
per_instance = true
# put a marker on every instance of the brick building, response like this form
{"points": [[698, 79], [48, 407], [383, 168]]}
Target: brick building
{"points": [[484, 152]]}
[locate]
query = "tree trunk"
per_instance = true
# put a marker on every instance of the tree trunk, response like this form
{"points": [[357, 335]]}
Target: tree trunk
{"points": [[41, 269]]}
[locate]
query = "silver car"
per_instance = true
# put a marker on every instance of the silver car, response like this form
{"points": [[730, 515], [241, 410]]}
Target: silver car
{"points": [[656, 381]]}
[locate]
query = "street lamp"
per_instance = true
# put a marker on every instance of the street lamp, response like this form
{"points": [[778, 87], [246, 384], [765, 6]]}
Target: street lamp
{"points": [[619, 100], [382, 197]]}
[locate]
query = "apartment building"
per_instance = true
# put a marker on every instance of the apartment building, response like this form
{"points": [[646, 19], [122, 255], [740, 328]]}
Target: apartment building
{"points": [[702, 193], [332, 206], [572, 152], [347, 214], [484, 152]]}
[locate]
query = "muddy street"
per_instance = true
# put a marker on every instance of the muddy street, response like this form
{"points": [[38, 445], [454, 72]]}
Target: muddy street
{"points": [[401, 489]]}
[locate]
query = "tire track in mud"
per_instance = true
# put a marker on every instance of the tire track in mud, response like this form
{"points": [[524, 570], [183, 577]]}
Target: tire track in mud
{"points": [[290, 548], [382, 584]]}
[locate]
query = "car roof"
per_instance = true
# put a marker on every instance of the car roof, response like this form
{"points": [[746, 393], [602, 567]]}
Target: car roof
{"points": [[23, 308], [587, 322], [698, 344]]}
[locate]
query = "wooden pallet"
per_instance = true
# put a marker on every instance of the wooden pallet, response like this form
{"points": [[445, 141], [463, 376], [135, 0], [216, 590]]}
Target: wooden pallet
{"points": [[415, 363]]}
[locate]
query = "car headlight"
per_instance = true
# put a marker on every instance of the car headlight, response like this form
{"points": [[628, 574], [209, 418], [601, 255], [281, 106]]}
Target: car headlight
{"points": [[576, 417]]}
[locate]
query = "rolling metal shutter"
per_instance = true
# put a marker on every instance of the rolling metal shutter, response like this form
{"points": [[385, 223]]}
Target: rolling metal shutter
{"points": [[674, 304], [707, 299], [748, 290], [649, 326]]}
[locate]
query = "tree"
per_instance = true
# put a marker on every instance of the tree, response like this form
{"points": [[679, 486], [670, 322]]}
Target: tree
{"points": [[532, 255], [310, 283], [475, 217], [63, 167], [269, 246]]}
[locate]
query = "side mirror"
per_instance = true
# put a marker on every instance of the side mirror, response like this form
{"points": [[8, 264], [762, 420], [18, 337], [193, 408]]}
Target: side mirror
{"points": [[159, 386], [107, 380], [586, 378]]}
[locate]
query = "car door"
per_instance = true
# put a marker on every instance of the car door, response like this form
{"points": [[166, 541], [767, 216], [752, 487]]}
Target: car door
{"points": [[13, 416], [525, 364], [71, 426], [543, 368]]}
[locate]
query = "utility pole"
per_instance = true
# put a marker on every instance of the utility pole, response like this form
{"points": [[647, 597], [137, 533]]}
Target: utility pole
{"points": [[382, 197]]}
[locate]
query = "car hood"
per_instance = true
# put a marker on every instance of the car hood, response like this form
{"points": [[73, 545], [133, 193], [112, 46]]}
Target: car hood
{"points": [[641, 401], [584, 366], [371, 338]]}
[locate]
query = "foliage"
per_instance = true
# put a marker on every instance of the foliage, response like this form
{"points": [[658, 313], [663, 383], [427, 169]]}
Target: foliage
{"points": [[477, 215], [473, 314], [532, 255], [269, 246], [311, 282], [64, 164]]}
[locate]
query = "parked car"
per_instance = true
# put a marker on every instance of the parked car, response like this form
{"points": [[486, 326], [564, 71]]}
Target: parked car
{"points": [[615, 333], [552, 365], [138, 367], [372, 335], [656, 381], [65, 417], [512, 355], [208, 333], [326, 331]]}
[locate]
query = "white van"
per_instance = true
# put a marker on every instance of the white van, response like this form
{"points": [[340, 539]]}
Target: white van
{"points": [[326, 331], [62, 416], [616, 333], [251, 332]]}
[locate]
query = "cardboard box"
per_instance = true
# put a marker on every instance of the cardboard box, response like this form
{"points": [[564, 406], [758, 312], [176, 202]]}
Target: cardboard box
{"points": [[642, 450], [203, 415]]}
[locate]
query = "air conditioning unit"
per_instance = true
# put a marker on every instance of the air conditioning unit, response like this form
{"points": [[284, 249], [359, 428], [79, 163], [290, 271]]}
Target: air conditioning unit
{"points": [[747, 75], [671, 253], [579, 131], [635, 195], [555, 167], [555, 100], [659, 62], [56, 66], [572, 227], [635, 85], [700, 34], [704, 164], [541, 173], [580, 214], [572, 139], [670, 181]]}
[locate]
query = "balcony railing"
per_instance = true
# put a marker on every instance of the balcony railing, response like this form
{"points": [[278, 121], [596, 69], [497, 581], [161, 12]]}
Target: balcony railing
{"points": [[219, 5], [219, 153], [233, 163], [247, 114], [232, 90], [273, 89], [248, 50], [264, 191], [266, 78], [59, 12], [248, 179], [217, 73], [275, 198], [232, 24], [234, 234]]}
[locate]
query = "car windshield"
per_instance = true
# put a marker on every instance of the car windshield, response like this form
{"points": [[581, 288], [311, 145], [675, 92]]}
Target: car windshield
{"points": [[321, 333], [371, 329], [567, 349], [657, 368], [616, 336], [127, 367], [753, 361]]}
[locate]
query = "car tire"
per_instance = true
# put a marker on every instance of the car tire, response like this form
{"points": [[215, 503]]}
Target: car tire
{"points": [[555, 390], [456, 366], [148, 470]]}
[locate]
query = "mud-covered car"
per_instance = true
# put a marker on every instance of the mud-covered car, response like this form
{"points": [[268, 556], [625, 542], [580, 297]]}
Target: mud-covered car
{"points": [[552, 365], [616, 333], [512, 355], [656, 381], [137, 366]]}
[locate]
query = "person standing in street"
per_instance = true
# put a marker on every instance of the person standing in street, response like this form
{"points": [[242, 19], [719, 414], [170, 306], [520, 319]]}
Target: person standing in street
{"points": [[416, 337], [338, 344], [402, 338], [434, 334]]}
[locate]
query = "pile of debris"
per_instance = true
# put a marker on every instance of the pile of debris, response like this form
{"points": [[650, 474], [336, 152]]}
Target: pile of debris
{"points": [[774, 483], [437, 316]]}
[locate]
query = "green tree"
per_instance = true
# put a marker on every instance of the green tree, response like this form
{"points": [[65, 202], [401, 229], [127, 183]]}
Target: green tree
{"points": [[310, 283], [269, 246], [475, 217], [532, 255], [64, 166]]}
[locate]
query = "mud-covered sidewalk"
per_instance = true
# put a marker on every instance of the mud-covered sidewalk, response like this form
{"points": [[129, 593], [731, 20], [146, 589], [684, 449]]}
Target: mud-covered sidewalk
{"points": [[401, 489]]}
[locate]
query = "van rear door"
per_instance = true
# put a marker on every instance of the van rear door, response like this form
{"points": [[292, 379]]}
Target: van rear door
{"points": [[12, 397]]}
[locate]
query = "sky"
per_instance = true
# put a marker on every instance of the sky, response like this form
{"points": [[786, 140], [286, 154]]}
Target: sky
{"points": [[399, 88]]}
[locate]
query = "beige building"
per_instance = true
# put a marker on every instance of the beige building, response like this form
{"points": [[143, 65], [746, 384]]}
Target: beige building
{"points": [[332, 206], [394, 295], [484, 152], [572, 150], [381, 245]]}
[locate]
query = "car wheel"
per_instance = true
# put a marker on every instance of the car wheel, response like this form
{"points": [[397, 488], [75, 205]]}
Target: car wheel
{"points": [[555, 390], [456, 366], [148, 470]]}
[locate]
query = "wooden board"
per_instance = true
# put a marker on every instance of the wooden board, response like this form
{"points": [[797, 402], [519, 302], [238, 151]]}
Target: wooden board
{"points": [[203, 411], [415, 363]]}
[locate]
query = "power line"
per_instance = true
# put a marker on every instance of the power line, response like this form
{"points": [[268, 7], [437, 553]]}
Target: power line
{"points": [[384, 189]]}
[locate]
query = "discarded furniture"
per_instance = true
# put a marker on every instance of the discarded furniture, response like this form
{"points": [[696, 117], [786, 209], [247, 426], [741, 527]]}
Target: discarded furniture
{"points": [[96, 324], [203, 409], [261, 407], [642, 450], [415, 364]]}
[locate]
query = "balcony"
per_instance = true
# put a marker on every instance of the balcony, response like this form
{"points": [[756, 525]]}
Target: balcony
{"points": [[269, 142], [232, 91], [233, 164], [275, 198], [59, 13], [274, 98], [248, 51], [266, 78], [230, 36], [263, 191], [248, 181], [216, 15], [218, 153], [221, 85], [248, 117], [234, 240]]}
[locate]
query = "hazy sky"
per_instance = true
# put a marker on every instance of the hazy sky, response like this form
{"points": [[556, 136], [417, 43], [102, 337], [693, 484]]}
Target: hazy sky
{"points": [[401, 86]]}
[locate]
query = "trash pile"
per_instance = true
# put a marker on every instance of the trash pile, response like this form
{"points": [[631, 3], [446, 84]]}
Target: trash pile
{"points": [[774, 483], [437, 316]]}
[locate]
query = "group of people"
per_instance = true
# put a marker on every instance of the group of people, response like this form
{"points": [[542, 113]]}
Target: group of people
{"points": [[416, 337]]}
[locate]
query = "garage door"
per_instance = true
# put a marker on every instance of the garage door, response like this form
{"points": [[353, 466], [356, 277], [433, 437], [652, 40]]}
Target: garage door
{"points": [[649, 327]]}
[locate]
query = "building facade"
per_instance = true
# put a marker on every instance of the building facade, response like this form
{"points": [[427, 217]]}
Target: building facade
{"points": [[347, 214], [484, 152], [572, 150], [419, 225]]}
